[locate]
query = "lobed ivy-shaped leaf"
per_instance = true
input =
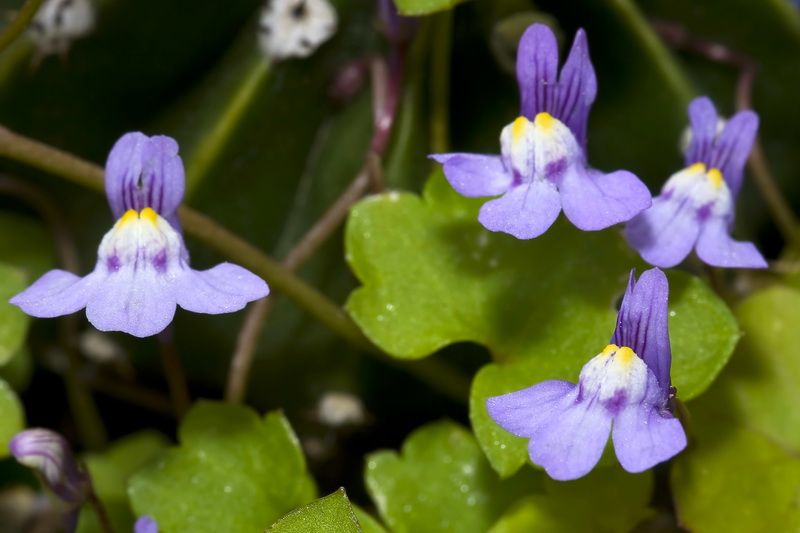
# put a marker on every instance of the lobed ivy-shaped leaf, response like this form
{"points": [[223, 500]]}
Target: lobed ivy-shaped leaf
{"points": [[233, 471], [747, 424], [433, 276], [441, 482]]}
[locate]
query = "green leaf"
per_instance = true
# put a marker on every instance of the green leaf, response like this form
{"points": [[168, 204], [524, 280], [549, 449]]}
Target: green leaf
{"points": [[233, 470], [432, 276], [607, 500], [12, 417], [331, 513], [13, 322], [441, 482], [424, 7], [110, 472], [747, 423]]}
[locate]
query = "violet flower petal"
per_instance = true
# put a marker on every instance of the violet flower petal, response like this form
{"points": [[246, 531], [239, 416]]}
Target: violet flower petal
{"points": [[733, 148], [513, 411], [144, 171], [56, 293], [222, 289], [525, 211], [594, 200], [643, 436], [138, 302], [571, 438], [716, 247], [666, 233], [642, 325], [577, 88], [537, 70], [703, 119], [145, 524], [475, 175]]}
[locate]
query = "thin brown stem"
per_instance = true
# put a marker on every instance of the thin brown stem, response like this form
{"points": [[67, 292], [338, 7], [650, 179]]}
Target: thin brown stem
{"points": [[173, 370], [100, 510], [246, 344]]}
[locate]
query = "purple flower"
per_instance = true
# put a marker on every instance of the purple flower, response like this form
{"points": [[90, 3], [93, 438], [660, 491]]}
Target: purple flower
{"points": [[543, 168], [696, 205], [142, 269], [625, 391], [50, 455], [145, 524]]}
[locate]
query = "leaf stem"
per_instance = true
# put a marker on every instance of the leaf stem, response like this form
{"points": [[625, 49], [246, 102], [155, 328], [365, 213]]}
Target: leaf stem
{"points": [[173, 370], [21, 21]]}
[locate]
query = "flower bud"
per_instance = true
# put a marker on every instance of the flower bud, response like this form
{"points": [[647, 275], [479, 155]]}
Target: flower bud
{"points": [[49, 454]]}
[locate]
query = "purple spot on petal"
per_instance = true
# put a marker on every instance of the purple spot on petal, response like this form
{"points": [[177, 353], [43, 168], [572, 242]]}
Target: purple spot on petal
{"points": [[160, 261], [555, 169], [704, 212], [113, 263], [615, 404]]}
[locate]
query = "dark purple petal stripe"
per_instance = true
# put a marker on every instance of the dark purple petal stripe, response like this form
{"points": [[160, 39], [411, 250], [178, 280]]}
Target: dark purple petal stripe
{"points": [[642, 324]]}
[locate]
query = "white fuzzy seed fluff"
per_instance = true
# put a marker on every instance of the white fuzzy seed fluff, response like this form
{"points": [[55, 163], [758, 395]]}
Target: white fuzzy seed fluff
{"points": [[295, 28], [59, 22]]}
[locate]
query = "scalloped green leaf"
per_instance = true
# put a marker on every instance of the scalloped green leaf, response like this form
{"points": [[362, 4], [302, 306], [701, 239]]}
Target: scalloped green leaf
{"points": [[440, 481], [234, 470], [331, 513], [607, 500], [432, 276], [110, 471], [748, 424]]}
